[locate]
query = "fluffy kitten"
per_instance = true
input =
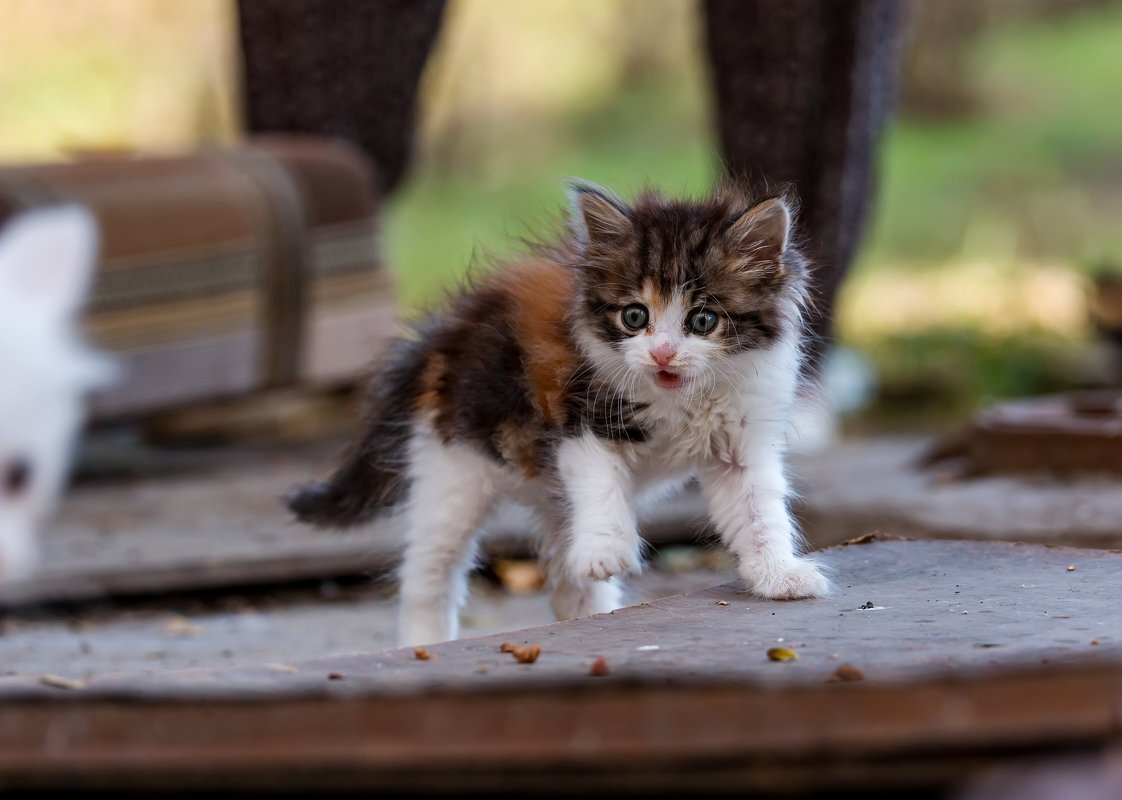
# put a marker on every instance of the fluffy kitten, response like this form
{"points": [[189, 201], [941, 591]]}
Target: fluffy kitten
{"points": [[46, 258], [660, 341]]}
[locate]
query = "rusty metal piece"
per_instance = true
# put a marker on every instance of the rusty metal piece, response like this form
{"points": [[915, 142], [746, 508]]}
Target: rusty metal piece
{"points": [[1078, 432]]}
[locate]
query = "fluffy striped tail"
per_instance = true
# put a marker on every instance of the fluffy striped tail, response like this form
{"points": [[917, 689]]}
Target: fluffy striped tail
{"points": [[373, 476]]}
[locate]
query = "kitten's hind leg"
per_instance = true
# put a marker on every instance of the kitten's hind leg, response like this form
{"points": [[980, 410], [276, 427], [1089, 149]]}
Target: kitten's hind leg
{"points": [[452, 490]]}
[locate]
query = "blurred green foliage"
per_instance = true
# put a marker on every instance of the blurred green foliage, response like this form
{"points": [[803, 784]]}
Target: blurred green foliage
{"points": [[1013, 192]]}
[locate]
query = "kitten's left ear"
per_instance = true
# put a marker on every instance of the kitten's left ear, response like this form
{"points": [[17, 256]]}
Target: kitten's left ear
{"points": [[47, 258], [763, 231]]}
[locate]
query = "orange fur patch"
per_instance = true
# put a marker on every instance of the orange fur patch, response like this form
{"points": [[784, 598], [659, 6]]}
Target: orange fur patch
{"points": [[542, 291], [432, 383], [518, 446]]}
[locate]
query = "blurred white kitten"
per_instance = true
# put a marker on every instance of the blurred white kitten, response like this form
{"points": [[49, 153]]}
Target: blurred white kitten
{"points": [[46, 262]]}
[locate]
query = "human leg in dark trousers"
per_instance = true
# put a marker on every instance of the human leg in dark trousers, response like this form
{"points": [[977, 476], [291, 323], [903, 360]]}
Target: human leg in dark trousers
{"points": [[802, 92], [347, 68]]}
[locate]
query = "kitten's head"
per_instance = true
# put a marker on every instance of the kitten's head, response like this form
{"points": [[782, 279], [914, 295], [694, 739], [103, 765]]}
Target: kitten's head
{"points": [[46, 258], [673, 291]]}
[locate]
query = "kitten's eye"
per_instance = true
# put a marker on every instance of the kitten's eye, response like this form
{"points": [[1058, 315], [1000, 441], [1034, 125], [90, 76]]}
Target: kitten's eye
{"points": [[17, 477], [635, 317], [703, 321]]}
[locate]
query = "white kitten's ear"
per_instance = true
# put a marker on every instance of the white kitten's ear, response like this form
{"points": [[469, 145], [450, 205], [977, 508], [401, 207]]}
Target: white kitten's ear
{"points": [[47, 258], [763, 231], [597, 214]]}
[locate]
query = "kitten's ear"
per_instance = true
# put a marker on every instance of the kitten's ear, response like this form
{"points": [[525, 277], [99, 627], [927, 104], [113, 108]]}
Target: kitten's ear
{"points": [[46, 260], [763, 231], [597, 215]]}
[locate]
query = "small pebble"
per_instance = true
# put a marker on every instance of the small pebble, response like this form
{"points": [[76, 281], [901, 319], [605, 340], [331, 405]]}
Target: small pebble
{"points": [[335, 676], [782, 654], [1071, 568], [722, 602], [421, 654], [599, 668], [1094, 641]]}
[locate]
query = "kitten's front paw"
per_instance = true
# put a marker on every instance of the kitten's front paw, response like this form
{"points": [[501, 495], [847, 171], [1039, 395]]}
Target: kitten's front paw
{"points": [[604, 557], [788, 580]]}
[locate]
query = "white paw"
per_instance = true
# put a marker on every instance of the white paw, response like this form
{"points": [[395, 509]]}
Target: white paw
{"points": [[604, 557], [418, 626], [788, 580], [574, 599]]}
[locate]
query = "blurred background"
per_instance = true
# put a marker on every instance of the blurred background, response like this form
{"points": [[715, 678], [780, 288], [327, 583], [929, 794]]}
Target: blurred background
{"points": [[1000, 178]]}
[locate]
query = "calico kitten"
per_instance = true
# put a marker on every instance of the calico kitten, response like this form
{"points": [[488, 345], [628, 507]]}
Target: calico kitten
{"points": [[659, 341], [46, 261]]}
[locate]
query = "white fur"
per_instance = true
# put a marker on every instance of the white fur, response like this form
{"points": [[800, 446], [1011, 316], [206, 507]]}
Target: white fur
{"points": [[46, 259], [725, 422], [727, 425]]}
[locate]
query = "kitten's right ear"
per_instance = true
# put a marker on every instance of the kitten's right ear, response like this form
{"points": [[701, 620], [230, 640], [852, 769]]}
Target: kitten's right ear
{"points": [[46, 260], [597, 215]]}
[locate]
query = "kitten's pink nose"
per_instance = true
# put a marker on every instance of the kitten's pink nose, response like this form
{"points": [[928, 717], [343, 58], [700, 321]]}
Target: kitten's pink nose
{"points": [[663, 354]]}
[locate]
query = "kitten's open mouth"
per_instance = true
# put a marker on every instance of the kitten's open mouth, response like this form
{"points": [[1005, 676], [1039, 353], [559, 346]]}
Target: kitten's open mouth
{"points": [[668, 380]]}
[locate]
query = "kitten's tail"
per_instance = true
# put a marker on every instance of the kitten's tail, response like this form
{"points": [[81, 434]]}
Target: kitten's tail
{"points": [[373, 475]]}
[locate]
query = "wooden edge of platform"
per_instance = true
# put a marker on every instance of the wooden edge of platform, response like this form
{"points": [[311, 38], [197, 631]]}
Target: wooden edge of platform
{"points": [[591, 735]]}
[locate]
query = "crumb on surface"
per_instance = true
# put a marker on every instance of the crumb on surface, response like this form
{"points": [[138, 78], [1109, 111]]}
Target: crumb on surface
{"points": [[59, 682], [527, 655], [848, 673]]}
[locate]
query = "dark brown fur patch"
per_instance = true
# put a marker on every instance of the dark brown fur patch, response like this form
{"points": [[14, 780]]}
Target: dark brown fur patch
{"points": [[705, 249]]}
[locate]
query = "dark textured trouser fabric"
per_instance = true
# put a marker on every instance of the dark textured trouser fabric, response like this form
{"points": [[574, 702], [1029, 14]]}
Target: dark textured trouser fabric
{"points": [[802, 90], [346, 68]]}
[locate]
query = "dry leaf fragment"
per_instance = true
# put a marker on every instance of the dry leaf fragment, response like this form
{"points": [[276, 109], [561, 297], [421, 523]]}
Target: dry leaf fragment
{"points": [[59, 682], [848, 672], [421, 654], [599, 668], [722, 602], [527, 655], [782, 654]]}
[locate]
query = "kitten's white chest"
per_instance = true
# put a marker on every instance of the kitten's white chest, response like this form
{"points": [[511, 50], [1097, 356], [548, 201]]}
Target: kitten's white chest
{"points": [[683, 438]]}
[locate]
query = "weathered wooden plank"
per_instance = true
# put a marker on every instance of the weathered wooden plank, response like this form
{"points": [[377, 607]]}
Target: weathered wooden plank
{"points": [[970, 652], [880, 484], [208, 519]]}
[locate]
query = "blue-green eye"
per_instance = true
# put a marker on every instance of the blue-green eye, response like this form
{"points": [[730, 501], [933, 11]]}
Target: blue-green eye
{"points": [[635, 317], [703, 321]]}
